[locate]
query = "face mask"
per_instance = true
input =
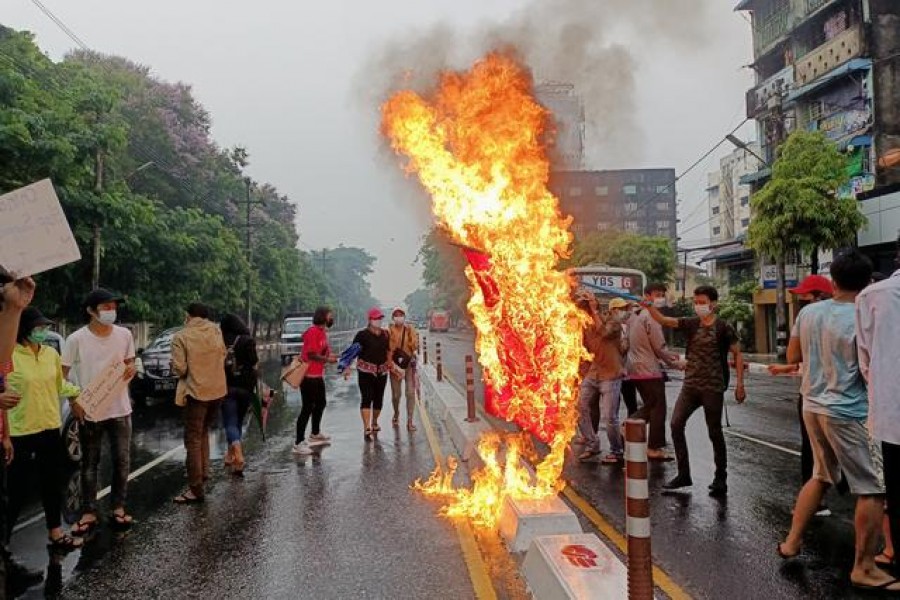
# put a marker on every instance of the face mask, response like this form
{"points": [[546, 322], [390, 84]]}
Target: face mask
{"points": [[399, 320], [106, 317], [329, 323], [38, 336], [376, 323], [702, 310], [659, 302]]}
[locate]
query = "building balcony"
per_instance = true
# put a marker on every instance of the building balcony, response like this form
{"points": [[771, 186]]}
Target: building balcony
{"points": [[829, 56], [771, 29], [814, 5], [760, 97]]}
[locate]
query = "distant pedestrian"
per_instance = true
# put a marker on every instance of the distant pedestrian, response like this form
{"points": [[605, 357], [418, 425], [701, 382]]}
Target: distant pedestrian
{"points": [[373, 367], [316, 353], [404, 345], [603, 379], [241, 364], [34, 426], [198, 359], [835, 408], [813, 288], [709, 340], [87, 353], [646, 351], [877, 326]]}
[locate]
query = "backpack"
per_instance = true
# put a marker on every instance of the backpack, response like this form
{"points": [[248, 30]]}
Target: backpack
{"points": [[232, 367], [723, 344]]}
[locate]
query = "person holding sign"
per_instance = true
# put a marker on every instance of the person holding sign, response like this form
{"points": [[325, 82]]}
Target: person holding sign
{"points": [[34, 426], [87, 354]]}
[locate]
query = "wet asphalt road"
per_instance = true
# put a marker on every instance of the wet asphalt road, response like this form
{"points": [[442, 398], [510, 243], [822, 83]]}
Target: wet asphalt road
{"points": [[724, 549], [340, 524]]}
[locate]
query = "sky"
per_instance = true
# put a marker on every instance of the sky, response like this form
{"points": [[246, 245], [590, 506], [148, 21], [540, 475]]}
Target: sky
{"points": [[299, 85]]}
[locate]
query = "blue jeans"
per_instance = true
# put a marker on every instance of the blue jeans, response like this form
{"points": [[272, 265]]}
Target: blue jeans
{"points": [[608, 394], [234, 410]]}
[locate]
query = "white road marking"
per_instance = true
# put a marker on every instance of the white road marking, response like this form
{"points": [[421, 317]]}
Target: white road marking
{"points": [[762, 442], [106, 491]]}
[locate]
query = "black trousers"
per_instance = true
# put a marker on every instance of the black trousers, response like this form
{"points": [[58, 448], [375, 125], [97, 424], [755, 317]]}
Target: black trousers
{"points": [[41, 455], [371, 390], [891, 454], [312, 397], [629, 396], [712, 404], [653, 411]]}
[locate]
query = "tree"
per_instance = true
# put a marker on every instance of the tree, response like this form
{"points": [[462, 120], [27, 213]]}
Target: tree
{"points": [[418, 303], [736, 309], [444, 272], [653, 256], [799, 211]]}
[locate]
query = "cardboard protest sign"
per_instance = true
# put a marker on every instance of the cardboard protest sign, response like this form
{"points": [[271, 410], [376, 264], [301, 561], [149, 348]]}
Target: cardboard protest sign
{"points": [[103, 389], [36, 236]]}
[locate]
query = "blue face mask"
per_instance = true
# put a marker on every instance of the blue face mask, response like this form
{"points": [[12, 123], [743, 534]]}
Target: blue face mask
{"points": [[38, 336]]}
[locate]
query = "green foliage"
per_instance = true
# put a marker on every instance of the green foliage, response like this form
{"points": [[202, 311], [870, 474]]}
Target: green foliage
{"points": [[444, 273], [654, 256], [418, 303], [798, 209]]}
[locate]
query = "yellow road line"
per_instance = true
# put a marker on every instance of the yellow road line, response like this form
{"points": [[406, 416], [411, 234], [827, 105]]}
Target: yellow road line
{"points": [[660, 578], [478, 573]]}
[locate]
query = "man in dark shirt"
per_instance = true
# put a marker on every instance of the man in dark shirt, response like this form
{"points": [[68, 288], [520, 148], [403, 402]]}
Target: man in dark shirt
{"points": [[706, 379]]}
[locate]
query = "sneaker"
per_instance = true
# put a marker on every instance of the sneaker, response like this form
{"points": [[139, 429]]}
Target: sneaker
{"points": [[319, 440], [678, 483], [303, 449]]}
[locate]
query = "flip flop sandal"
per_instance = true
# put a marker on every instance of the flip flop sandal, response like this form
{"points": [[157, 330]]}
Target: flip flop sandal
{"points": [[588, 454], [84, 528], [784, 554], [376, 428], [884, 560], [879, 589], [611, 459], [368, 435], [65, 543], [122, 521], [411, 426], [185, 499]]}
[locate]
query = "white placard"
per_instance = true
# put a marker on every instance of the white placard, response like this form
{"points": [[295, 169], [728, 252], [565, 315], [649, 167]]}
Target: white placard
{"points": [[104, 388], [36, 236]]}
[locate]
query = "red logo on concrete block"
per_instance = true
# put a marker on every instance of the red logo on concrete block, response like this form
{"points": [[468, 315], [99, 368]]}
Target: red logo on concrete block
{"points": [[580, 556]]}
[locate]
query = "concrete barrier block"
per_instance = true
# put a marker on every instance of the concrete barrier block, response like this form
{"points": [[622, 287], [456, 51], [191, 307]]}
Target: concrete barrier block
{"points": [[521, 521], [574, 567], [464, 435]]}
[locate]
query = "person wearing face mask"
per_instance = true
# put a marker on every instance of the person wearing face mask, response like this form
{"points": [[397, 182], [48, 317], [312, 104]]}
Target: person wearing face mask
{"points": [[372, 364], [402, 359], [88, 351], [709, 341], [34, 427], [646, 350], [316, 353]]}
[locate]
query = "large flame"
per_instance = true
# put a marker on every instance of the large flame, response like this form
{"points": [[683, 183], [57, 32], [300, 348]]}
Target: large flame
{"points": [[477, 146]]}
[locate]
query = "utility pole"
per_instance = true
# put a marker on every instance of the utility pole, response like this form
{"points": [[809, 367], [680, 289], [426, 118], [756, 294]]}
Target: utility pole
{"points": [[98, 189], [249, 291], [775, 134]]}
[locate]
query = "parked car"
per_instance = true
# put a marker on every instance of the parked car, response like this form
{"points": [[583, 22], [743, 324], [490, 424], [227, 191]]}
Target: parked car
{"points": [[154, 376], [70, 425], [292, 330]]}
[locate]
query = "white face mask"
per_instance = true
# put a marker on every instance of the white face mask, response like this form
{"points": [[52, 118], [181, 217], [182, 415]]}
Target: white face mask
{"points": [[659, 302], [107, 317], [702, 310], [399, 320]]}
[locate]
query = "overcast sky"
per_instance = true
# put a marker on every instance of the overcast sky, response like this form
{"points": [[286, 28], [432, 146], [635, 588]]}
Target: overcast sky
{"points": [[294, 83]]}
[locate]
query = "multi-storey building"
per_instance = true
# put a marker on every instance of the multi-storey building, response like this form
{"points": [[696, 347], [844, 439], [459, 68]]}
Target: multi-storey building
{"points": [[567, 150], [635, 200], [728, 198]]}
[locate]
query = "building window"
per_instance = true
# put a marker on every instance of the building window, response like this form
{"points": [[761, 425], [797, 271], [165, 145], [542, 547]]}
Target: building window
{"points": [[663, 206], [663, 225], [815, 111], [745, 200], [629, 190], [575, 191], [631, 226], [663, 189], [631, 206], [745, 222], [601, 190], [717, 230], [715, 210]]}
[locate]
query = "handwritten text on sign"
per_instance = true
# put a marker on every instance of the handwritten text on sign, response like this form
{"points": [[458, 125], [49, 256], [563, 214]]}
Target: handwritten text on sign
{"points": [[36, 236], [103, 389]]}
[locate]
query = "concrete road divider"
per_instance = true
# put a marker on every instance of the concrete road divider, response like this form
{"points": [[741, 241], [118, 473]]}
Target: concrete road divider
{"points": [[574, 567], [521, 521]]}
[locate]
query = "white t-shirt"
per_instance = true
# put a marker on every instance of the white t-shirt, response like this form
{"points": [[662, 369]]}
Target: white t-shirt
{"points": [[88, 354]]}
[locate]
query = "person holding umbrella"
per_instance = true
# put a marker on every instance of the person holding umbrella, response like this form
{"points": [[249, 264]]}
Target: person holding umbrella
{"points": [[372, 364], [241, 362]]}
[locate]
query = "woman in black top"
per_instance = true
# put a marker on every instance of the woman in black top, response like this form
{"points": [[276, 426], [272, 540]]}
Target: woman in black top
{"points": [[372, 364], [241, 373]]}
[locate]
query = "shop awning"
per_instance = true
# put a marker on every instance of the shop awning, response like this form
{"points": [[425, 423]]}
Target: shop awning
{"points": [[729, 253], [857, 64], [760, 175]]}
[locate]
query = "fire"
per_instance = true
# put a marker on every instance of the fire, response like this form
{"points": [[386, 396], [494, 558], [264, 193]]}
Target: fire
{"points": [[478, 147]]}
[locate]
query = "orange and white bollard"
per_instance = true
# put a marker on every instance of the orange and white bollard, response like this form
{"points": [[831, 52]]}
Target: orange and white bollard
{"points": [[470, 389], [439, 364], [424, 350], [637, 511]]}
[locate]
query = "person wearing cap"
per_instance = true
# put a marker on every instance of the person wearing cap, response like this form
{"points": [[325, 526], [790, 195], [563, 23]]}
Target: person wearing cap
{"points": [[87, 353], [372, 364], [316, 354], [198, 359], [404, 345], [34, 426], [602, 381]]}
